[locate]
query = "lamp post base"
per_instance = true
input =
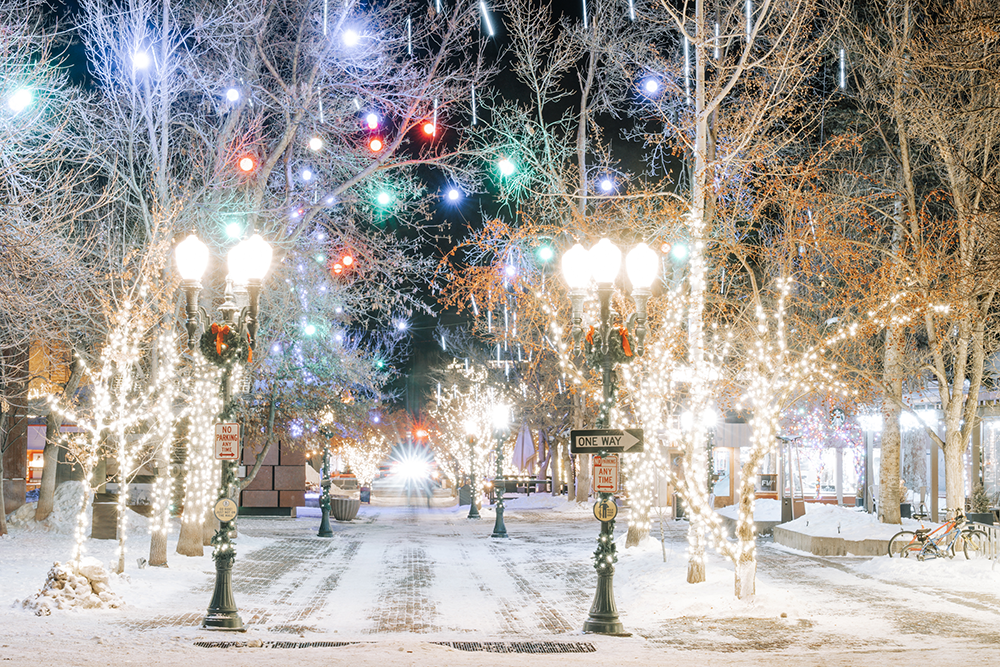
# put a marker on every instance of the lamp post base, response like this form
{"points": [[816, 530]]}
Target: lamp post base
{"points": [[499, 530], [474, 511], [603, 618], [222, 613], [324, 524]]}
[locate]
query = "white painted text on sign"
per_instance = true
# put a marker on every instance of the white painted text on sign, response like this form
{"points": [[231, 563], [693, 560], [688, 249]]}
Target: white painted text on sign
{"points": [[227, 441]]}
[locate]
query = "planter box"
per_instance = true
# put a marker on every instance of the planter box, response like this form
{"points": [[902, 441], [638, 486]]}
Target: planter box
{"points": [[980, 517], [344, 509]]}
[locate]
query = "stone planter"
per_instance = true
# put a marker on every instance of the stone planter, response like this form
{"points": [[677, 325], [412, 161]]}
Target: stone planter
{"points": [[344, 509]]}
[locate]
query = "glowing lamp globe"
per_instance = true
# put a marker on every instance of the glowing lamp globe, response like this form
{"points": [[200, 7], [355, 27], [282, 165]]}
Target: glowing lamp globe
{"points": [[679, 252], [384, 199], [429, 129], [545, 253], [338, 268], [607, 185], [576, 267], [192, 258], [233, 95], [641, 265], [140, 60], [307, 174], [454, 194], [375, 145], [606, 259], [347, 260], [372, 121], [315, 144], [310, 329], [651, 85], [470, 427], [247, 164], [351, 37], [20, 100], [258, 256]]}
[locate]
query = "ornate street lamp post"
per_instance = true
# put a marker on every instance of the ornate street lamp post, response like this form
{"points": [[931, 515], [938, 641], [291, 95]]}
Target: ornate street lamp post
{"points": [[603, 263], [248, 263], [470, 433], [500, 417]]}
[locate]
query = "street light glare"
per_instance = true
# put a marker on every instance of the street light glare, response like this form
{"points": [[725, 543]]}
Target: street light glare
{"points": [[651, 85], [140, 60], [310, 329], [384, 199], [315, 144], [372, 121], [454, 194], [607, 185], [233, 95], [20, 100], [351, 37], [506, 167], [234, 230]]}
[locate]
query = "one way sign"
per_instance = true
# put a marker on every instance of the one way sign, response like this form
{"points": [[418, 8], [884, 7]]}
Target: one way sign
{"points": [[605, 439]]}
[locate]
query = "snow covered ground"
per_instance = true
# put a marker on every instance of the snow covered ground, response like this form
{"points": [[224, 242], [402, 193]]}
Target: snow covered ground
{"points": [[401, 585]]}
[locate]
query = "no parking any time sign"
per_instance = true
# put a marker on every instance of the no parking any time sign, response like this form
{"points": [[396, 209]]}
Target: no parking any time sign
{"points": [[606, 473], [227, 441]]}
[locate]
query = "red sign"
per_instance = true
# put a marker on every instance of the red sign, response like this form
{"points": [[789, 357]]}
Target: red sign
{"points": [[606, 473], [227, 442]]}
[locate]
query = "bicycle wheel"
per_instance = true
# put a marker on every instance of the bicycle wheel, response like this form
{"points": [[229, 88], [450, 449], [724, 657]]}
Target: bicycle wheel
{"points": [[975, 544], [904, 544]]}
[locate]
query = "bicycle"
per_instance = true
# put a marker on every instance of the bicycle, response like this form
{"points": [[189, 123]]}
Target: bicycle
{"points": [[943, 541]]}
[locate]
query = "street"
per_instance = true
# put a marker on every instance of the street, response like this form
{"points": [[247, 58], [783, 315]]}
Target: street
{"points": [[418, 586]]}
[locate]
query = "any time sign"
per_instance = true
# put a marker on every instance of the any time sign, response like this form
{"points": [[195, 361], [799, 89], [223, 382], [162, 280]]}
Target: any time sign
{"points": [[606, 473], [227, 442]]}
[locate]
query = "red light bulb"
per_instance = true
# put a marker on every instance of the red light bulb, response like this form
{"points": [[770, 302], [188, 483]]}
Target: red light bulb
{"points": [[247, 164], [375, 145]]}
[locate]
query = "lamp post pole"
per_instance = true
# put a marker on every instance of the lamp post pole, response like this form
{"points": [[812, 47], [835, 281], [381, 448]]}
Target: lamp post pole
{"points": [[500, 415], [473, 509], [324, 501], [249, 260], [604, 259]]}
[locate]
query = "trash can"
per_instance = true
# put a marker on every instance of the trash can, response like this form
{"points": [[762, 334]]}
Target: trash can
{"points": [[104, 525]]}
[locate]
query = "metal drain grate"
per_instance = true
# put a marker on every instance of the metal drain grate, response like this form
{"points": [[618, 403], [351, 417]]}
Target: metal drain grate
{"points": [[522, 647], [271, 644]]}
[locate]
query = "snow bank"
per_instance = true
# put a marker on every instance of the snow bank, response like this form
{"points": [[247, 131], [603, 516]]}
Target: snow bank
{"points": [[852, 524], [66, 505], [764, 509], [86, 586]]}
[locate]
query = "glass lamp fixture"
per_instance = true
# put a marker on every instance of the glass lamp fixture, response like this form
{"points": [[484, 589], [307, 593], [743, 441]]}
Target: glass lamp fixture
{"points": [[606, 258], [192, 258]]}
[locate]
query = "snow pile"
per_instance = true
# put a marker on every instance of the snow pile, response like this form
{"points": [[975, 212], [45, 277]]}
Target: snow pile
{"points": [[764, 509], [337, 492], [65, 508], [850, 524], [85, 586]]}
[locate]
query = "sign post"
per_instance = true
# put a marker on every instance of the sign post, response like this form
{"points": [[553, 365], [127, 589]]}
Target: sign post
{"points": [[227, 441]]}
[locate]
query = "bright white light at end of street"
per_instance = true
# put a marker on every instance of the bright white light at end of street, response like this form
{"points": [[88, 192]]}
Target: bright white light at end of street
{"points": [[501, 415], [20, 100], [351, 37], [140, 60]]}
